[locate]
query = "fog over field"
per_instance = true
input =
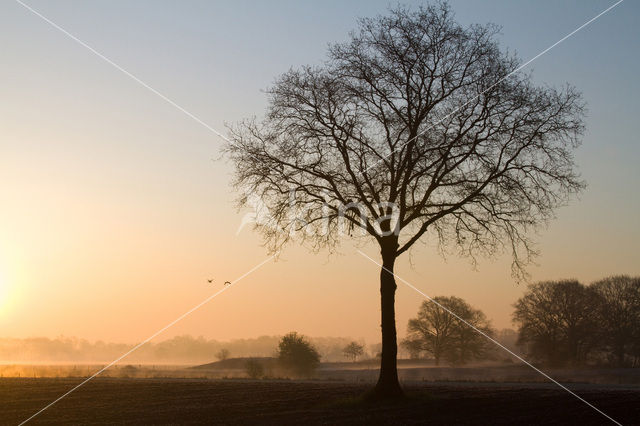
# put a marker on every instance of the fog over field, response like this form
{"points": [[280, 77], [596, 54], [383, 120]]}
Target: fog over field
{"points": [[186, 350]]}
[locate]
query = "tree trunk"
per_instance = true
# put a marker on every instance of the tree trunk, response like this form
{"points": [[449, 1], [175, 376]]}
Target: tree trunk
{"points": [[388, 385]]}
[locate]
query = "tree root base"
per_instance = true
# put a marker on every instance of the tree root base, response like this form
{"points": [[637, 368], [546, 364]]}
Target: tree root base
{"points": [[385, 393]]}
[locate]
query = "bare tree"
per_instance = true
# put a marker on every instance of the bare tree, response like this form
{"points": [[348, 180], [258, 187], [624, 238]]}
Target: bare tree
{"points": [[223, 354], [466, 343], [558, 321], [353, 350], [433, 328], [445, 335], [619, 316], [415, 127]]}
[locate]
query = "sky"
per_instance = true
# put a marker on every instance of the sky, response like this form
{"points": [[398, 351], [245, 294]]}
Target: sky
{"points": [[116, 206]]}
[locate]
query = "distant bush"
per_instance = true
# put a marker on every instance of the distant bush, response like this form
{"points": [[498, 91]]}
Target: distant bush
{"points": [[254, 369], [296, 354], [128, 371], [353, 350], [223, 354]]}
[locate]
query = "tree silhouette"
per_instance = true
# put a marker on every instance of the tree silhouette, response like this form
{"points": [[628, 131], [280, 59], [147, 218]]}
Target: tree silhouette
{"points": [[414, 127], [437, 331], [432, 329], [558, 321], [466, 343], [619, 315], [254, 368], [353, 350], [298, 355], [223, 354]]}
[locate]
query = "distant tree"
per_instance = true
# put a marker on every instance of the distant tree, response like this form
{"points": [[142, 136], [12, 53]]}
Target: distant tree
{"points": [[223, 354], [298, 355], [353, 350], [433, 328], [254, 368], [619, 316], [557, 321], [466, 343], [440, 333], [414, 126]]}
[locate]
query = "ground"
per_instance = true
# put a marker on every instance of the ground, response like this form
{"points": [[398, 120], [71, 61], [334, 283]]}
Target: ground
{"points": [[237, 401]]}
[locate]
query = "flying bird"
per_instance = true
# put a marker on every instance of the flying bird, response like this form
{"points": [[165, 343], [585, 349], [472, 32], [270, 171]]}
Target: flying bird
{"points": [[210, 281], [227, 283]]}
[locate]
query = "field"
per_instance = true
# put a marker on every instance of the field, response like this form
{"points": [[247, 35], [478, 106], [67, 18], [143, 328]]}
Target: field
{"points": [[241, 401], [360, 372]]}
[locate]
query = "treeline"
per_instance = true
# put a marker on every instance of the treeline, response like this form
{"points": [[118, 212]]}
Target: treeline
{"points": [[569, 323], [560, 323], [177, 350]]}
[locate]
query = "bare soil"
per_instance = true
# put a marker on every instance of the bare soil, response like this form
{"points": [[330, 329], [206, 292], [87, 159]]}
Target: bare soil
{"points": [[236, 401]]}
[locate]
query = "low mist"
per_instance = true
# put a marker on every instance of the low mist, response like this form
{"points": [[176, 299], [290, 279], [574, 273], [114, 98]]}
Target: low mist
{"points": [[180, 350]]}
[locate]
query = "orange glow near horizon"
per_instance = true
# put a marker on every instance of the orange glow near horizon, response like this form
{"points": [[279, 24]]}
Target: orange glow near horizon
{"points": [[113, 214]]}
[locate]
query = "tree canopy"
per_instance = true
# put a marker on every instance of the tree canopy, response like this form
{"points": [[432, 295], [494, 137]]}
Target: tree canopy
{"points": [[298, 355], [415, 124], [353, 350], [444, 335], [557, 320], [566, 322]]}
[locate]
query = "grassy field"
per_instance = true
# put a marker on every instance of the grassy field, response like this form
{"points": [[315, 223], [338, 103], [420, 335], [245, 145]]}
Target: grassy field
{"points": [[361, 372], [239, 401]]}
